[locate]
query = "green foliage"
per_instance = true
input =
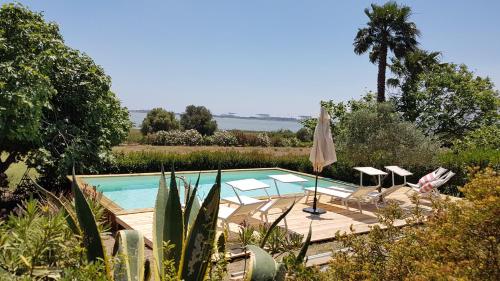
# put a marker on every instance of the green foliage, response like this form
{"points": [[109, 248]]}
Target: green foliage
{"points": [[407, 73], [388, 28], [37, 243], [27, 47], [89, 227], [175, 137], [263, 139], [128, 251], [484, 138], [378, 137], [158, 119], [305, 134], [221, 138], [74, 117], [449, 101], [424, 251], [198, 118], [134, 136], [190, 254], [373, 134]]}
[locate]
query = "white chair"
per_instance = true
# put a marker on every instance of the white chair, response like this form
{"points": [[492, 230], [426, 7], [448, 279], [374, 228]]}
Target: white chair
{"points": [[280, 203], [239, 214], [359, 195]]}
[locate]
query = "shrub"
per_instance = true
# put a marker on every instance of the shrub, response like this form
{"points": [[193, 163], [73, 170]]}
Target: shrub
{"points": [[37, 243], [263, 140], [376, 136], [245, 138], [304, 134], [486, 137], [457, 241], [158, 119], [198, 118], [222, 138], [175, 137]]}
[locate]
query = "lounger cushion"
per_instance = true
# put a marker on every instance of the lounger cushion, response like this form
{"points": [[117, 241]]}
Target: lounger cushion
{"points": [[427, 178], [225, 212], [267, 206], [245, 200], [331, 192], [427, 187]]}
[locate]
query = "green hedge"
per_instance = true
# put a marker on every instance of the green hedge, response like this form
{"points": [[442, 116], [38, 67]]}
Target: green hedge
{"points": [[150, 161]]}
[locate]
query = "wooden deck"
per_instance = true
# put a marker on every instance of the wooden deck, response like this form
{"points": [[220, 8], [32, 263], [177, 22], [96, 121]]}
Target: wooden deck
{"points": [[324, 227]]}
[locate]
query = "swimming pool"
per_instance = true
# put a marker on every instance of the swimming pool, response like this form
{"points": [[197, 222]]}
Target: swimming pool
{"points": [[139, 191]]}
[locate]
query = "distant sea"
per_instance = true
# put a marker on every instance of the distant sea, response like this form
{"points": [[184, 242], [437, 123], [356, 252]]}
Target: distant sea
{"points": [[234, 123]]}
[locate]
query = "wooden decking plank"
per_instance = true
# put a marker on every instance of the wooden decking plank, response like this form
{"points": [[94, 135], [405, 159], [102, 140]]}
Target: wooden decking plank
{"points": [[337, 218]]}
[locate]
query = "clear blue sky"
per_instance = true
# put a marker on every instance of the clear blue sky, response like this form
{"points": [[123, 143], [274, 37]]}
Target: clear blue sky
{"points": [[257, 56]]}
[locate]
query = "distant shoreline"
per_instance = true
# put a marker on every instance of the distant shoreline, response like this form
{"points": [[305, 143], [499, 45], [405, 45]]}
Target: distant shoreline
{"points": [[236, 116]]}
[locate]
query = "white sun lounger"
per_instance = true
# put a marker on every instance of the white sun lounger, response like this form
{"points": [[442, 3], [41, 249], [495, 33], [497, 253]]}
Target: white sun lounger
{"points": [[245, 185], [281, 203], [398, 171], [239, 214], [359, 195]]}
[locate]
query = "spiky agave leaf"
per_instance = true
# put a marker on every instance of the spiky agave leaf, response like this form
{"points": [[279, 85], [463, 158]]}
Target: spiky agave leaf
{"points": [[201, 237], [262, 266], [274, 224], [174, 225], [303, 250], [91, 236], [158, 225], [192, 206], [129, 256]]}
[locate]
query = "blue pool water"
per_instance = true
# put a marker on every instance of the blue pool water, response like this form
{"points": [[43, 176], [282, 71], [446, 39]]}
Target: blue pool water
{"points": [[139, 191]]}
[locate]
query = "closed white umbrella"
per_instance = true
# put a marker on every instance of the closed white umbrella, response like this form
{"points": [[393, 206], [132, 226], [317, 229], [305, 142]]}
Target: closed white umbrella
{"points": [[322, 153]]}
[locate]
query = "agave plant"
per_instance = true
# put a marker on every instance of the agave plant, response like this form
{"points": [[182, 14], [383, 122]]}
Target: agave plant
{"points": [[263, 267], [190, 233]]}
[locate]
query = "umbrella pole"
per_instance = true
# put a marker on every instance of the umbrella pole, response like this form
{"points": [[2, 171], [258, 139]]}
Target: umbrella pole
{"points": [[315, 188], [315, 210]]}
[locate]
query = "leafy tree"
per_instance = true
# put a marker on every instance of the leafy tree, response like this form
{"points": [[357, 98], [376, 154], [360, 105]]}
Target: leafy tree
{"points": [[450, 101], [376, 136], [304, 134], [55, 102], [486, 137], [339, 111], [388, 28], [407, 72], [198, 118], [158, 119], [26, 51]]}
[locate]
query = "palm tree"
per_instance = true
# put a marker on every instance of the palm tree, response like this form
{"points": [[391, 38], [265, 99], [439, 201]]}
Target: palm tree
{"points": [[389, 28]]}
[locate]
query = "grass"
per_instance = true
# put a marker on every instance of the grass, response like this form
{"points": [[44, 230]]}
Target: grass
{"points": [[16, 171], [275, 151]]}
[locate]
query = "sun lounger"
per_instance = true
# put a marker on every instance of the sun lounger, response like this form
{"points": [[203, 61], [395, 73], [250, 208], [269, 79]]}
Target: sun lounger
{"points": [[280, 203], [239, 214], [359, 195], [246, 185], [242, 200], [432, 176], [430, 189], [398, 171], [378, 198]]}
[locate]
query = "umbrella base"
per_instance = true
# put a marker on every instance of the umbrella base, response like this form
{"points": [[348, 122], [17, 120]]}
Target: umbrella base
{"points": [[317, 211]]}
